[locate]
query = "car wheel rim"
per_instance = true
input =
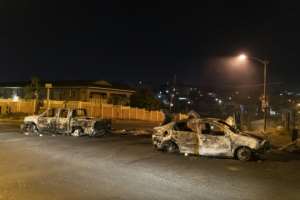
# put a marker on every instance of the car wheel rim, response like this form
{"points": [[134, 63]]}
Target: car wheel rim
{"points": [[171, 148], [76, 133], [32, 129], [244, 154]]}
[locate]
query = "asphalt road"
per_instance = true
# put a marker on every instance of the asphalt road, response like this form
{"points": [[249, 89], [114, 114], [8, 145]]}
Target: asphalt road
{"points": [[127, 167]]}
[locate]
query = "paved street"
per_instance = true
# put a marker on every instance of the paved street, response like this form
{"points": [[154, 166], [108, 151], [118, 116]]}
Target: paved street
{"points": [[127, 167]]}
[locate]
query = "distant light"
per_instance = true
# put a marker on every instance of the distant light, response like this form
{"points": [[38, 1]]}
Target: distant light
{"points": [[15, 97], [230, 98], [298, 104], [171, 104], [242, 57], [159, 96], [182, 98], [281, 94], [220, 101], [189, 102], [167, 91], [216, 99], [272, 112]]}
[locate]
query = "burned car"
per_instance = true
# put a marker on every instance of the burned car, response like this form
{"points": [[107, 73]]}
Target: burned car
{"points": [[208, 137], [74, 122]]}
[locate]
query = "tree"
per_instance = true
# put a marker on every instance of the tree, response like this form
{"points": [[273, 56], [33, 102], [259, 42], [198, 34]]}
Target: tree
{"points": [[144, 98]]}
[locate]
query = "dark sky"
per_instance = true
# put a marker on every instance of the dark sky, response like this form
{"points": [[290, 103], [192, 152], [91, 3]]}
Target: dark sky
{"points": [[146, 40]]}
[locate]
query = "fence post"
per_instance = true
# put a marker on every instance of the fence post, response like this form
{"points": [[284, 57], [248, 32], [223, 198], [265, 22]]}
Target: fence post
{"points": [[156, 115], [101, 107], [129, 111], [19, 107], [144, 114], [112, 111], [121, 111], [91, 109], [34, 105]]}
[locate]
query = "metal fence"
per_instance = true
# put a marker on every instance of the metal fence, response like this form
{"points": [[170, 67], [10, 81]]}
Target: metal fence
{"points": [[94, 109]]}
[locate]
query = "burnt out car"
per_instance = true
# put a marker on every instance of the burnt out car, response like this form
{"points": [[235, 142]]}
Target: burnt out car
{"points": [[208, 137], [74, 122]]}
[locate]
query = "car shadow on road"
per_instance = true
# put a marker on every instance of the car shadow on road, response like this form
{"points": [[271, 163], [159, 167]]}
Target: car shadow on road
{"points": [[282, 156]]}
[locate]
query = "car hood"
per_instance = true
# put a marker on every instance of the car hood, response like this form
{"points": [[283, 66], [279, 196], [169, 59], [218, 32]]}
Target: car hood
{"points": [[31, 118], [252, 135], [161, 129]]}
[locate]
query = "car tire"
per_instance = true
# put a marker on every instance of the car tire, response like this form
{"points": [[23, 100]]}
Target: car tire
{"points": [[77, 132], [244, 154], [31, 129], [171, 147]]}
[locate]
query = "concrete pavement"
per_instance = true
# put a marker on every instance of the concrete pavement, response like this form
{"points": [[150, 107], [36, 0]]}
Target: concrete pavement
{"points": [[127, 167]]}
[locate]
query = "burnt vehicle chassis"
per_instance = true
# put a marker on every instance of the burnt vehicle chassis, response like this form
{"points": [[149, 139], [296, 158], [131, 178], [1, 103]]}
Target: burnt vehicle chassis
{"points": [[72, 122], [208, 137]]}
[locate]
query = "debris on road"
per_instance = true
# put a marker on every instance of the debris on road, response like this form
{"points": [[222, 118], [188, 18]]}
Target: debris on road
{"points": [[135, 132], [291, 147]]}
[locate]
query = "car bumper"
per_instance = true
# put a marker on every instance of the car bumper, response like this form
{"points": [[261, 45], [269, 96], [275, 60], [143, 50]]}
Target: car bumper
{"points": [[265, 147]]}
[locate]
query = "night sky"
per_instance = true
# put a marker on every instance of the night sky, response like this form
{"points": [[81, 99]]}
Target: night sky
{"points": [[147, 40]]}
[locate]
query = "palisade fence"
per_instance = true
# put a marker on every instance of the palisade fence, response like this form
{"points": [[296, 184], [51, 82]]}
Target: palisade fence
{"points": [[105, 111]]}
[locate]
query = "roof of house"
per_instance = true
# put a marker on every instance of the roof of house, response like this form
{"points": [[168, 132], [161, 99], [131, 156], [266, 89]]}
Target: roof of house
{"points": [[72, 83]]}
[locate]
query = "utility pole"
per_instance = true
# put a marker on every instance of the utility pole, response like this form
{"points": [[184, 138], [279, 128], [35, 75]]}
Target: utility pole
{"points": [[265, 95], [264, 100], [172, 94], [48, 86]]}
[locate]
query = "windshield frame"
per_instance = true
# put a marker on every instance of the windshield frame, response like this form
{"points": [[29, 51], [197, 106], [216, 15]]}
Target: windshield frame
{"points": [[231, 128]]}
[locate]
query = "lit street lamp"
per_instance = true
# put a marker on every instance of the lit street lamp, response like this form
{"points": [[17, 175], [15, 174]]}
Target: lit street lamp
{"points": [[265, 63]]}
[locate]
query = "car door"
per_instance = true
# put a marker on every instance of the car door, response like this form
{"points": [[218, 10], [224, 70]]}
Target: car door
{"points": [[62, 122], [185, 138], [46, 121], [213, 140]]}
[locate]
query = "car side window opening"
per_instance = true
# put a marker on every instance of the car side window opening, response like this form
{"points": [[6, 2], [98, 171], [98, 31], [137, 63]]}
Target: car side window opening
{"points": [[51, 113], [211, 129], [64, 113], [182, 126], [79, 113]]}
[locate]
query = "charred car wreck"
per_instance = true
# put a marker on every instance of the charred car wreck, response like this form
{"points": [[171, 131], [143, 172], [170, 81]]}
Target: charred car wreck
{"points": [[208, 137], [74, 122]]}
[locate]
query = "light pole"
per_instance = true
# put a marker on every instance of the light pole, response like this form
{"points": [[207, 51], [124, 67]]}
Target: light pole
{"points": [[48, 86], [264, 99]]}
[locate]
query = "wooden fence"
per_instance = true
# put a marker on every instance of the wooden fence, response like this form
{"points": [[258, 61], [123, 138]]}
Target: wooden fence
{"points": [[94, 109]]}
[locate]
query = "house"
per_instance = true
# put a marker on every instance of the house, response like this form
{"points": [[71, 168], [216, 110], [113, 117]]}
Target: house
{"points": [[93, 91]]}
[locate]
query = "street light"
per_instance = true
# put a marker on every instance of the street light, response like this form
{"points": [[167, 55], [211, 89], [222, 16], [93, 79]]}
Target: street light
{"points": [[265, 63], [242, 57]]}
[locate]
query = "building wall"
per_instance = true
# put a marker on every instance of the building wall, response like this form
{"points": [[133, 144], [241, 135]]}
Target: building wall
{"points": [[96, 95]]}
